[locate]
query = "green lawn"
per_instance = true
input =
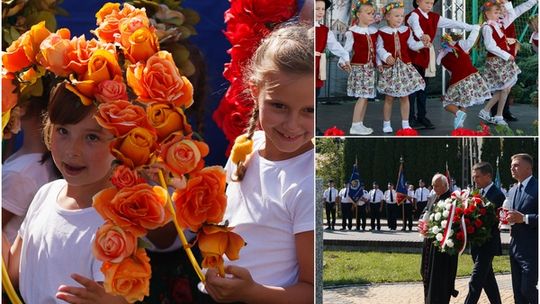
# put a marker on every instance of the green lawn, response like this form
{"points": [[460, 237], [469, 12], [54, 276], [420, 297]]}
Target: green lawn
{"points": [[354, 267]]}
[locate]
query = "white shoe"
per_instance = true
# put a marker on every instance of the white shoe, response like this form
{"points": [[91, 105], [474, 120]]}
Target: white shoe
{"points": [[387, 129], [360, 130], [499, 120], [485, 116]]}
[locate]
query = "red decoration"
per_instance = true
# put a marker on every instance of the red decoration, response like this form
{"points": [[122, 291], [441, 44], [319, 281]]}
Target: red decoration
{"points": [[407, 132], [334, 131], [469, 132]]}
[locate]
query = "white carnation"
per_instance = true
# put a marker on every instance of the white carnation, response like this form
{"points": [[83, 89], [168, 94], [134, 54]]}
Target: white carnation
{"points": [[445, 213], [441, 204], [437, 216], [451, 232], [435, 229], [438, 236], [431, 217], [443, 223], [448, 206], [449, 243]]}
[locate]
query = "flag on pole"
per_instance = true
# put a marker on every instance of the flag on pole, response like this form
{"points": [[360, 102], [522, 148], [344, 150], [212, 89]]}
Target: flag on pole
{"points": [[356, 189], [401, 188], [498, 176], [449, 178]]}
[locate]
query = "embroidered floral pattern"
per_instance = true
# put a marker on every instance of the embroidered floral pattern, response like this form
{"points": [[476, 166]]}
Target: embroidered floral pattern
{"points": [[467, 92], [400, 80], [361, 82], [500, 74]]}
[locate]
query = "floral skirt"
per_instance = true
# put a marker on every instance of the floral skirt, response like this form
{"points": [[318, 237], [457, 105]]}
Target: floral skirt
{"points": [[400, 80], [500, 74], [469, 91], [361, 82]]}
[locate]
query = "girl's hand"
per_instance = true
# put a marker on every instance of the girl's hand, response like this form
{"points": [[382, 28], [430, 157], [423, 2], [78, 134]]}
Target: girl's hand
{"points": [[426, 40], [91, 293], [347, 67], [390, 60], [380, 68], [230, 289], [511, 58]]}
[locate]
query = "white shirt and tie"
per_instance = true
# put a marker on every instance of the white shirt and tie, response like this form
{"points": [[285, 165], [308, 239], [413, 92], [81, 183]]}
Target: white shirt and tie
{"points": [[518, 194], [344, 194], [421, 194], [375, 196], [390, 196], [330, 194], [486, 189]]}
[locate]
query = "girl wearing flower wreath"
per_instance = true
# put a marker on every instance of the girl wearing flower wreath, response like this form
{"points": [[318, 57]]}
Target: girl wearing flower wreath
{"points": [[270, 190], [501, 70], [55, 238], [361, 39], [466, 87], [533, 23], [397, 78]]}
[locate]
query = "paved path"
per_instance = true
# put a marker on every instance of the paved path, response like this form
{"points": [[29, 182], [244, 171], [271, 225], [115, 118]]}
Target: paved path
{"points": [[340, 115], [407, 293]]}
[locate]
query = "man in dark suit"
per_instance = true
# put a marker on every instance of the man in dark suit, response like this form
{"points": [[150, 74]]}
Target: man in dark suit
{"points": [[482, 275], [523, 219], [438, 269]]}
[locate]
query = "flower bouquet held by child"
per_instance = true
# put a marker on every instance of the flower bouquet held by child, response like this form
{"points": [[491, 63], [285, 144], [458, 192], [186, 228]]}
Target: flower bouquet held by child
{"points": [[119, 97]]}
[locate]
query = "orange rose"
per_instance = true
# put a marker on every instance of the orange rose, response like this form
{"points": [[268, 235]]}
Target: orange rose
{"points": [[22, 52], [130, 278], [219, 240], [53, 54], [110, 90], [158, 80], [129, 25], [202, 200], [107, 9], [214, 241], [120, 117], [183, 156], [134, 148], [125, 177], [143, 43], [167, 119], [81, 50], [102, 66], [112, 244], [135, 208]]}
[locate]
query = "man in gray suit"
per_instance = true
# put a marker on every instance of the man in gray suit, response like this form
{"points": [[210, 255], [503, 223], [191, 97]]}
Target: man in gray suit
{"points": [[524, 230]]}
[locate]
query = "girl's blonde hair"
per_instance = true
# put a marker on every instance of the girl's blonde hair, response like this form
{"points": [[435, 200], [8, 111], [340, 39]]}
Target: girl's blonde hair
{"points": [[288, 49]]}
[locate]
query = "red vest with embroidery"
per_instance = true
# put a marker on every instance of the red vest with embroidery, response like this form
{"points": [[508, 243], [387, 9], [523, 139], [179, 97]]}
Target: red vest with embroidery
{"points": [[364, 48], [397, 51], [321, 37], [459, 66], [500, 41], [510, 32], [429, 27]]}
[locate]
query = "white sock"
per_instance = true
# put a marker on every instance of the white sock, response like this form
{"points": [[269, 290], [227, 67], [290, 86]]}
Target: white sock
{"points": [[498, 117], [386, 124], [405, 124], [358, 123]]}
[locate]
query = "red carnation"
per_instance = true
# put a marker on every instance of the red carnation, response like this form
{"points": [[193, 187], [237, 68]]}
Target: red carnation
{"points": [[407, 132], [456, 219], [470, 229], [483, 211], [459, 211], [467, 222], [469, 132], [460, 236], [334, 131], [478, 223]]}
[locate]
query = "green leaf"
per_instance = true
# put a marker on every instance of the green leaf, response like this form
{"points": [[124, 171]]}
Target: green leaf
{"points": [[48, 17], [14, 33]]}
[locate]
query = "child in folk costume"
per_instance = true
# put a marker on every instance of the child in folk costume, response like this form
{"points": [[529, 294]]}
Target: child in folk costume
{"points": [[424, 24], [361, 39], [533, 23], [501, 70], [466, 87], [397, 78], [325, 39]]}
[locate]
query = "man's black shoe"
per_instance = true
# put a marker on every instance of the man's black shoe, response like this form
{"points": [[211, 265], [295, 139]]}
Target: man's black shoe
{"points": [[426, 122], [415, 124], [509, 117], [342, 229]]}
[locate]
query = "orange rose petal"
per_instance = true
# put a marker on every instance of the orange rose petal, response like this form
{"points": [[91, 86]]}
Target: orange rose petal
{"points": [[84, 99], [236, 243]]}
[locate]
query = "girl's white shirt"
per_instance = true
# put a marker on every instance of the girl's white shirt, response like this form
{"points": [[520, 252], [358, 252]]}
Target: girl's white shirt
{"points": [[465, 44], [383, 54], [273, 203], [349, 39]]}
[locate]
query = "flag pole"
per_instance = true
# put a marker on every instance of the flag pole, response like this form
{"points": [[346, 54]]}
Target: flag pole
{"points": [[401, 161], [356, 207]]}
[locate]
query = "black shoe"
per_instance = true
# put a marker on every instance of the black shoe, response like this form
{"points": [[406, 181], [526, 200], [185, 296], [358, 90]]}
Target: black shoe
{"points": [[415, 124], [403, 229], [509, 117], [357, 229], [426, 122], [327, 228], [342, 229]]}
